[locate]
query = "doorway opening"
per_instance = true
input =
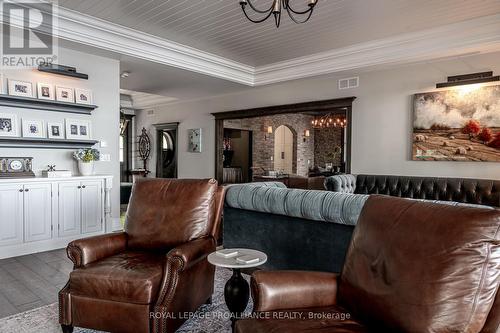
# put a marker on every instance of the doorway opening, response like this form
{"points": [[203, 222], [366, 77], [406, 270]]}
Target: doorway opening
{"points": [[284, 143], [166, 154], [237, 156]]}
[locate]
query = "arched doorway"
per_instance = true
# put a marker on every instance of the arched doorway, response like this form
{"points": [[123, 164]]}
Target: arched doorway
{"points": [[283, 149]]}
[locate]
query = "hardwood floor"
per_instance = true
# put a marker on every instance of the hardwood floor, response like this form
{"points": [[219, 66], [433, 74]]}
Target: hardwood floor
{"points": [[31, 281]]}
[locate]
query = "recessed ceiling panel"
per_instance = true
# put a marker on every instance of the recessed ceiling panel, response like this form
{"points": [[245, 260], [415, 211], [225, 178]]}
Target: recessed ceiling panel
{"points": [[219, 26]]}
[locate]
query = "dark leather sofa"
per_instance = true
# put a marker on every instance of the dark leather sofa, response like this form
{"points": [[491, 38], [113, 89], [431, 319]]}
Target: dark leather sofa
{"points": [[411, 267], [465, 190], [158, 265]]}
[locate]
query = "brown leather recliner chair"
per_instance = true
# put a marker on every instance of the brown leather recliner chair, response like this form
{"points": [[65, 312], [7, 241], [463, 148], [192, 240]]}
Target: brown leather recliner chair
{"points": [[140, 280], [411, 267]]}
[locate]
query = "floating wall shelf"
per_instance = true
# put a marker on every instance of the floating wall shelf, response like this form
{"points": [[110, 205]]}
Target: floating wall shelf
{"points": [[45, 143], [46, 105]]}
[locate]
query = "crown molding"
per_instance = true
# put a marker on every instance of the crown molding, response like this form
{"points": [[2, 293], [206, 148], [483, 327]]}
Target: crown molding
{"points": [[472, 36], [88, 30]]}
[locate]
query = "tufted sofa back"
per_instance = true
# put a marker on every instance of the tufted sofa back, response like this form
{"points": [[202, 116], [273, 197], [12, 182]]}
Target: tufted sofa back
{"points": [[474, 191]]}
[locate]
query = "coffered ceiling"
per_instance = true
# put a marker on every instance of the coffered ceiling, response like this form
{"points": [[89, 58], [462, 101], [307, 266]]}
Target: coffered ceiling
{"points": [[219, 27]]}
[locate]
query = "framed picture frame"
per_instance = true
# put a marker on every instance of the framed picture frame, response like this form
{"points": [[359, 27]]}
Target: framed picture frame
{"points": [[45, 91], [194, 143], [78, 129], [64, 94], [55, 130], [8, 125], [20, 88], [33, 128], [83, 96]]}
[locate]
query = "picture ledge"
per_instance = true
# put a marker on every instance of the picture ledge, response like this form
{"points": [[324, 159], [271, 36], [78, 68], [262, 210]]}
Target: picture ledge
{"points": [[46, 105], [15, 142]]}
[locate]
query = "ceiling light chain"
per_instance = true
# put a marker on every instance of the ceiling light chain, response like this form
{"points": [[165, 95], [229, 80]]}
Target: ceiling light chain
{"points": [[276, 9]]}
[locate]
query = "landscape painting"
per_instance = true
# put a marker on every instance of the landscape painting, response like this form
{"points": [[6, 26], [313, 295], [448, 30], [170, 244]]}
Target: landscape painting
{"points": [[459, 124]]}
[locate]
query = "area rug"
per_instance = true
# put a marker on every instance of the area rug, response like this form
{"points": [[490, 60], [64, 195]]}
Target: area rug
{"points": [[208, 319]]}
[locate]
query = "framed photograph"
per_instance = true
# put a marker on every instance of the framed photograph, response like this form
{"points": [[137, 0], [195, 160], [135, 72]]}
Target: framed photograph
{"points": [[33, 128], [8, 124], [64, 94], [46, 91], [55, 130], [83, 96], [78, 129], [194, 136], [20, 88]]}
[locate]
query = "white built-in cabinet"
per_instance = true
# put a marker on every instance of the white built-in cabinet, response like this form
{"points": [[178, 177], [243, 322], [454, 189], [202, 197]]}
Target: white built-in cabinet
{"points": [[37, 203], [39, 214], [80, 207], [11, 210]]}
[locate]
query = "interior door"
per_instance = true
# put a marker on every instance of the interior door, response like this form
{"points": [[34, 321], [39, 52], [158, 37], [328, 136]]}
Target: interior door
{"points": [[69, 208], [283, 149], [91, 206], [11, 212], [37, 212]]}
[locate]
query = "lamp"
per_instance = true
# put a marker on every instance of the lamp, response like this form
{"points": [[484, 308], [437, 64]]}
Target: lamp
{"points": [[277, 7], [307, 134], [473, 78], [268, 130]]}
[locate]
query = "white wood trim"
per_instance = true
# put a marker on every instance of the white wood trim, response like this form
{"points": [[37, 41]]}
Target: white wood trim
{"points": [[467, 37], [26, 180], [40, 246]]}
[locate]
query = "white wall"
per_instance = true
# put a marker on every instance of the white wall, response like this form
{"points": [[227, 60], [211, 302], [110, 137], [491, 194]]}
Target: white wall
{"points": [[382, 117], [104, 83]]}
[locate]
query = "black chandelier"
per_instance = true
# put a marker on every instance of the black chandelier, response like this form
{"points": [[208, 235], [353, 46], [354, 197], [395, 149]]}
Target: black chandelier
{"points": [[277, 7]]}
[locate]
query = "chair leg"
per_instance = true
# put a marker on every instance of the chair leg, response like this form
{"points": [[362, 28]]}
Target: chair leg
{"points": [[67, 328], [209, 300]]}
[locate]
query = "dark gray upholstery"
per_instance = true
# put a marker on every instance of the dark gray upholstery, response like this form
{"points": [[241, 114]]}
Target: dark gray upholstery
{"points": [[298, 229], [464, 190], [306, 204]]}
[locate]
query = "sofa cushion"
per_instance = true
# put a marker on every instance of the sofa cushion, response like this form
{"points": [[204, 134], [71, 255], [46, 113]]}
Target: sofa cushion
{"points": [[164, 213], [332, 319], [422, 267], [132, 277], [308, 204]]}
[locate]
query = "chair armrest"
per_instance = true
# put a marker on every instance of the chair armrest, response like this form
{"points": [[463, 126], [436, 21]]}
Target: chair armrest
{"points": [[187, 260], [87, 250], [192, 252], [341, 183], [287, 290]]}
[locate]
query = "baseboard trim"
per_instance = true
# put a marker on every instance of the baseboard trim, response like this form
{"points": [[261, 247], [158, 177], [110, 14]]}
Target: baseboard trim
{"points": [[40, 246]]}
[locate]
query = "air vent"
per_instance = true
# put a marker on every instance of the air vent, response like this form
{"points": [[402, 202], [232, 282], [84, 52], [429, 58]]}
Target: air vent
{"points": [[150, 112], [348, 83]]}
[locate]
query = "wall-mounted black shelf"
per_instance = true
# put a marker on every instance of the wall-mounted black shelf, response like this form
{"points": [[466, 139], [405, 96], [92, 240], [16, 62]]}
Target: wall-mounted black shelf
{"points": [[42, 104], [8, 142]]}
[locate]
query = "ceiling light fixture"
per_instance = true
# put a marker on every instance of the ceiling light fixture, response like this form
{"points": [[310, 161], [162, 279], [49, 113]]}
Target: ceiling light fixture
{"points": [[124, 75], [276, 9]]}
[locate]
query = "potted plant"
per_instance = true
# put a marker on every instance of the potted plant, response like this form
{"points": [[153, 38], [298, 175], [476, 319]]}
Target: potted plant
{"points": [[86, 158]]}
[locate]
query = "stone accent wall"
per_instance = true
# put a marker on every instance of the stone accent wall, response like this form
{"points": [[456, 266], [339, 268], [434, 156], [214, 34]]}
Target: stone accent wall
{"points": [[263, 143], [325, 141]]}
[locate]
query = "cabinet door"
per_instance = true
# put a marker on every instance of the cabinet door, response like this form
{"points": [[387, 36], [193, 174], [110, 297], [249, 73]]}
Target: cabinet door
{"points": [[37, 212], [91, 206], [11, 214], [69, 208]]}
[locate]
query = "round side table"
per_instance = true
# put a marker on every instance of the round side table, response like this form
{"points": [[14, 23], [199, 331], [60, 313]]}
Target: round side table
{"points": [[237, 290]]}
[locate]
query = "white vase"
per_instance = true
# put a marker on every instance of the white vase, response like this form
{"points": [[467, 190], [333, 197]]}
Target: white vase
{"points": [[86, 168]]}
